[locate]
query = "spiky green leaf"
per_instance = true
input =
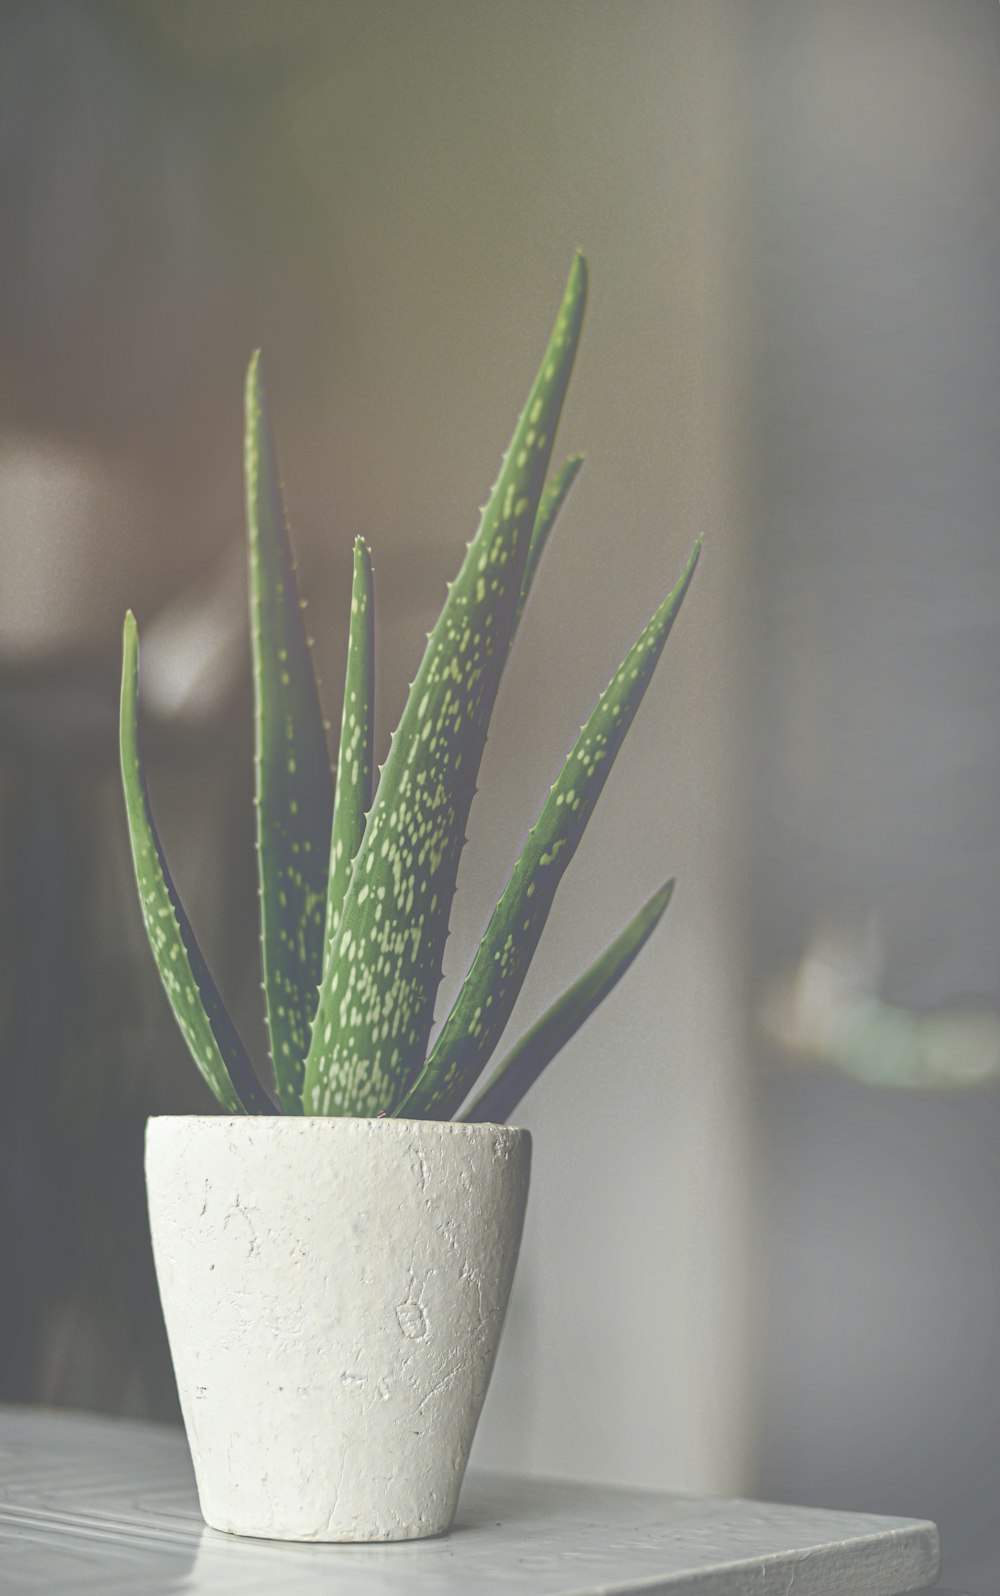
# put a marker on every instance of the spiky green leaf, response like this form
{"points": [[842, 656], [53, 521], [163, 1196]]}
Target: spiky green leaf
{"points": [[552, 502], [357, 730], [376, 1008], [539, 1046], [293, 778], [194, 998], [488, 994]]}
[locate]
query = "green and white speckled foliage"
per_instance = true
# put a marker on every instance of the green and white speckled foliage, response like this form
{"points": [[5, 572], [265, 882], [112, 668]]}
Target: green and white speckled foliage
{"points": [[294, 784], [356, 891]]}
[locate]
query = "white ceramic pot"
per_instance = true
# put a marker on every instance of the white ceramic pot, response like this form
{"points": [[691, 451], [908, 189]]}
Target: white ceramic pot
{"points": [[334, 1292]]}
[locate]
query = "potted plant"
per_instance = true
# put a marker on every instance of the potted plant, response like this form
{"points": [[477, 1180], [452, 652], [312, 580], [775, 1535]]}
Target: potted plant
{"points": [[335, 1254]]}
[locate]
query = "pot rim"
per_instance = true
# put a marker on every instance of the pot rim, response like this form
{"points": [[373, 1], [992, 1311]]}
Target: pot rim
{"points": [[439, 1126]]}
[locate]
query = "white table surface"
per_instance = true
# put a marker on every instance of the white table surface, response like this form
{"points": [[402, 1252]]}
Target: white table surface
{"points": [[105, 1507]]}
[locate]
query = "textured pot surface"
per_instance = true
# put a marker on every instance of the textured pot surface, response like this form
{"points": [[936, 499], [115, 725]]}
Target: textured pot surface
{"points": [[334, 1292]]}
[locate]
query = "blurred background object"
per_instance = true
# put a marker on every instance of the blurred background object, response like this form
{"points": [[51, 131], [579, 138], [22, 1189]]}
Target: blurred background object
{"points": [[791, 216]]}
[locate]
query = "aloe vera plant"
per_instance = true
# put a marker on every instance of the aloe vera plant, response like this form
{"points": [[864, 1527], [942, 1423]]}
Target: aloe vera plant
{"points": [[355, 888]]}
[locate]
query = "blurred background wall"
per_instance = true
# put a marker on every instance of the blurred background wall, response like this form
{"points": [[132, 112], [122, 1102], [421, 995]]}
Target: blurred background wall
{"points": [[760, 1250], [873, 915]]}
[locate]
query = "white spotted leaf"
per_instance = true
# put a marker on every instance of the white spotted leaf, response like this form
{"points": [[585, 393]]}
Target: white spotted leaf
{"points": [[490, 989], [376, 1005], [552, 502], [198, 1008], [353, 793], [294, 783], [539, 1046]]}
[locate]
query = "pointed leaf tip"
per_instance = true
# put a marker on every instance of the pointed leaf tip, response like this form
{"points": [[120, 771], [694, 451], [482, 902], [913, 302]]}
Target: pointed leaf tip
{"points": [[550, 504], [294, 782], [403, 883], [539, 1046], [353, 791], [193, 996], [473, 1027]]}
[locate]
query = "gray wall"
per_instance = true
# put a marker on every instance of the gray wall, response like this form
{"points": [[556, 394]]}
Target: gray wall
{"points": [[873, 171]]}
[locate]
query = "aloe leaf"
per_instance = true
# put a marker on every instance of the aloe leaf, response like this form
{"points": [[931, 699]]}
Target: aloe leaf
{"points": [[357, 730], [376, 1007], [292, 765], [539, 1046], [552, 502], [193, 995], [488, 994]]}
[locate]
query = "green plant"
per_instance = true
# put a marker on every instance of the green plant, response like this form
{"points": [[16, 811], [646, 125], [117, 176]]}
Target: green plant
{"points": [[356, 890]]}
